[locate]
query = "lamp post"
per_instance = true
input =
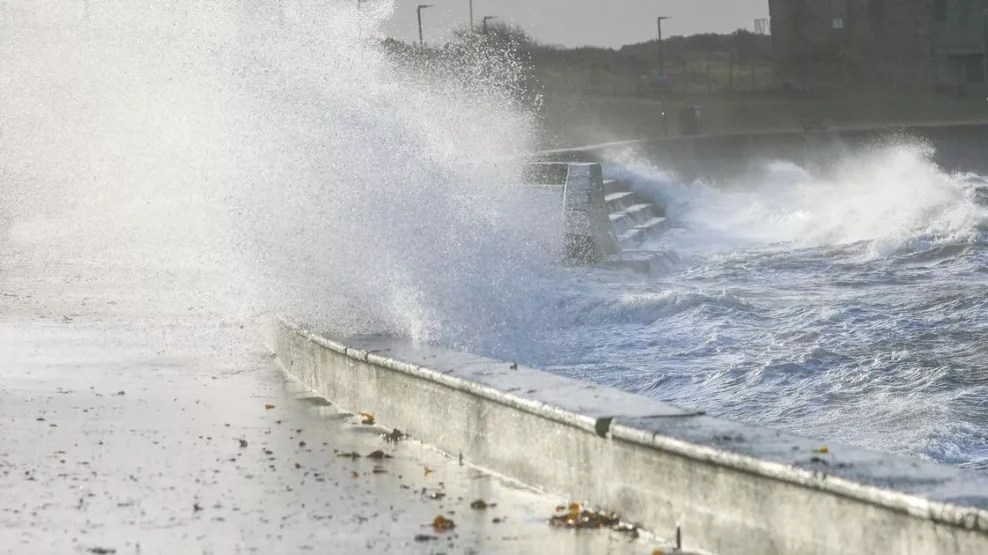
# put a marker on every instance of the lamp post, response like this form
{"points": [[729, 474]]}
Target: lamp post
{"points": [[471, 15], [984, 44], [419, 10], [662, 62], [486, 18]]}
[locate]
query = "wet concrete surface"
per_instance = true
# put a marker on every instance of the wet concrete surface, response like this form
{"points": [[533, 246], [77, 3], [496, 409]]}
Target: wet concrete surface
{"points": [[135, 421]]}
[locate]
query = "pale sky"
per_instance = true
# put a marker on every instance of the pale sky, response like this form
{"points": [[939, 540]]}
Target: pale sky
{"points": [[610, 23], [582, 22]]}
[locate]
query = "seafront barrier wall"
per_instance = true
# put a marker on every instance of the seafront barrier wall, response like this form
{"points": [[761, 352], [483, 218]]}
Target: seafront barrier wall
{"points": [[723, 487], [721, 157]]}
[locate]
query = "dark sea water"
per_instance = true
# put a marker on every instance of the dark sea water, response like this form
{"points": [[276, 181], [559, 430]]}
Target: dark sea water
{"points": [[852, 308]]}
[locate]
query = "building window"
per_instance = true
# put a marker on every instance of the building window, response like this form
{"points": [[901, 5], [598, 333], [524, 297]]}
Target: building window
{"points": [[941, 10]]}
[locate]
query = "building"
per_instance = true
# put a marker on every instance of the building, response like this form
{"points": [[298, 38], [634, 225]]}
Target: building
{"points": [[885, 43], [962, 40]]}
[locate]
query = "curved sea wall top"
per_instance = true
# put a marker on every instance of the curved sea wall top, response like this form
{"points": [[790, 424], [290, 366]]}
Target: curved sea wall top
{"points": [[955, 147], [720, 486]]}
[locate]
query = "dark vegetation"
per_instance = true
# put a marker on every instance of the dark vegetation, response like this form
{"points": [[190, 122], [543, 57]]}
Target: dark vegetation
{"points": [[619, 93], [697, 64]]}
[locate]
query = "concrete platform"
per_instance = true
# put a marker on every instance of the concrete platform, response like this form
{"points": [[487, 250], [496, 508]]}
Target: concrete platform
{"points": [[725, 487], [136, 420]]}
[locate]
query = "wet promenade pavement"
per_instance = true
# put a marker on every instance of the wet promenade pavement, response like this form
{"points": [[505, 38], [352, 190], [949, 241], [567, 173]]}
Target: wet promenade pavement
{"points": [[136, 420]]}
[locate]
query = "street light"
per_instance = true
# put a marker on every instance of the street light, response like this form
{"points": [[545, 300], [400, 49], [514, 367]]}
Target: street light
{"points": [[984, 44], [471, 15], [419, 10], [662, 62], [487, 17]]}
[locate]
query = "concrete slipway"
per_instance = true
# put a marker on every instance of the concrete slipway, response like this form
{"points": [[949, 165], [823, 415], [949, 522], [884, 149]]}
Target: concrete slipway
{"points": [[724, 487]]}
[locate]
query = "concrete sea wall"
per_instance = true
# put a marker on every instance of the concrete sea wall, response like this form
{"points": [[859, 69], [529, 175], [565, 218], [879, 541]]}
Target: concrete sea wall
{"points": [[600, 219], [722, 157], [725, 487], [588, 235]]}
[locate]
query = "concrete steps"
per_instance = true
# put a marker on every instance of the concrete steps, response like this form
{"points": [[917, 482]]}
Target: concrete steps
{"points": [[613, 186], [631, 238], [633, 218], [618, 201], [657, 223]]}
